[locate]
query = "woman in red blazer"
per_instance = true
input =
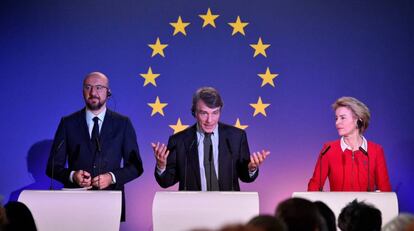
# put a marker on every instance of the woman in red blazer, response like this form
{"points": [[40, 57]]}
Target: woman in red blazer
{"points": [[351, 163]]}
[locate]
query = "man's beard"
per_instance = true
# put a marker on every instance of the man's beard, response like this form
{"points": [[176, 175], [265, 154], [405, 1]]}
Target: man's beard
{"points": [[94, 107]]}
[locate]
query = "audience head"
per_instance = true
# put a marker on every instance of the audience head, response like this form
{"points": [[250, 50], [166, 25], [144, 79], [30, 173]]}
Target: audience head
{"points": [[3, 218], [300, 214], [403, 222], [359, 216], [267, 223], [19, 217], [327, 214]]}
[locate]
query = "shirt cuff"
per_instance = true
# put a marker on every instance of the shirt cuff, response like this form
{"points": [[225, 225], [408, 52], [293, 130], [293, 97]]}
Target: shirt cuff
{"points": [[113, 178], [71, 176], [251, 174], [160, 171]]}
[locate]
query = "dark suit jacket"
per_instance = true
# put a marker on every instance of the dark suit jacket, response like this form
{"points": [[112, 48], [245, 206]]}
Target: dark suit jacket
{"points": [[183, 165], [72, 145]]}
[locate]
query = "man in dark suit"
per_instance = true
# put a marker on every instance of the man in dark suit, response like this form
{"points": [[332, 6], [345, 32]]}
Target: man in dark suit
{"points": [[208, 156], [94, 141]]}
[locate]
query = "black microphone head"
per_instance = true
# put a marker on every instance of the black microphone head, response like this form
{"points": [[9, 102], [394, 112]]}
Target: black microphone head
{"points": [[363, 151], [325, 150]]}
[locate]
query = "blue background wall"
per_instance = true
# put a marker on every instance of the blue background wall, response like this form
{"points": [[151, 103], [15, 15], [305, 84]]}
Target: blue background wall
{"points": [[321, 50]]}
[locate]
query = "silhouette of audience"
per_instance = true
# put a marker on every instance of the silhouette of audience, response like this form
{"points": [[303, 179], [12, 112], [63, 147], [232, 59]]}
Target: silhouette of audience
{"points": [[266, 223], [300, 215], [3, 218], [327, 214], [358, 216], [19, 217], [402, 222]]}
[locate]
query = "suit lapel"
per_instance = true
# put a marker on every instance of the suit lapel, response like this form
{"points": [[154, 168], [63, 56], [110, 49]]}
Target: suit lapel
{"points": [[83, 127], [191, 145], [107, 128], [223, 167]]}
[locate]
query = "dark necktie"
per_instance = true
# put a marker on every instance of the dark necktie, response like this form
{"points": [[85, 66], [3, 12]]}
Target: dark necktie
{"points": [[211, 176], [95, 130]]}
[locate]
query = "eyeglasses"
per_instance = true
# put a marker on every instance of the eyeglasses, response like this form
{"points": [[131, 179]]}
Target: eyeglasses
{"points": [[98, 88]]}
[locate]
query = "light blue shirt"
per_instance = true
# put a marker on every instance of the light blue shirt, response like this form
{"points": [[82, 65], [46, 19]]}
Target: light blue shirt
{"points": [[89, 120], [200, 147]]}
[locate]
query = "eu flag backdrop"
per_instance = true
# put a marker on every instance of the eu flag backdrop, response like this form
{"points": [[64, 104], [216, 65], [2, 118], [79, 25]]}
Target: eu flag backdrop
{"points": [[279, 65]]}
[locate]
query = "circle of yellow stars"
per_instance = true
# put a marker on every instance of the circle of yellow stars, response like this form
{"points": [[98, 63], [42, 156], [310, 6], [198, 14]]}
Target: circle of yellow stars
{"points": [[209, 19]]}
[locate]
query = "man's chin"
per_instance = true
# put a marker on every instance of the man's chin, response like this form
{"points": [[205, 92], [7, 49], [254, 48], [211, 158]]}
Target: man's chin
{"points": [[208, 130], [94, 107]]}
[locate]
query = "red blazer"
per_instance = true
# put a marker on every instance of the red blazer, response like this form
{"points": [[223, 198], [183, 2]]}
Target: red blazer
{"points": [[348, 171]]}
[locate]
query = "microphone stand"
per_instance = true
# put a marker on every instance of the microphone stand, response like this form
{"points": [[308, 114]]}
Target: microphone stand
{"points": [[232, 167], [320, 167], [366, 153], [99, 152], [185, 164], [53, 162], [210, 159]]}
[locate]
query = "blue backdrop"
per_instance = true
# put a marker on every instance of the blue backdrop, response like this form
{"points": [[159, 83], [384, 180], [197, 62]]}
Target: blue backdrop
{"points": [[321, 50]]}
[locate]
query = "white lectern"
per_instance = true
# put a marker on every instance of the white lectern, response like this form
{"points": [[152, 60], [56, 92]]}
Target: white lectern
{"points": [[188, 210], [386, 202], [74, 210]]}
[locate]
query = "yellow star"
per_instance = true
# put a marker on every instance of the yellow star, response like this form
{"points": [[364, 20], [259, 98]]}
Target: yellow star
{"points": [[150, 77], [238, 125], [259, 107], [238, 26], [157, 106], [260, 48], [178, 127], [268, 77], [158, 48], [179, 26], [209, 18]]}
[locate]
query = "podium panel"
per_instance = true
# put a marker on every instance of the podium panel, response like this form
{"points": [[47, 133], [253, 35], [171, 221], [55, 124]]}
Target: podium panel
{"points": [[74, 210], [386, 202], [189, 210]]}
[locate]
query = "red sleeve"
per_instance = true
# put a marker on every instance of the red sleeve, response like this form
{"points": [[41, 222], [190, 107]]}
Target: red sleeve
{"points": [[317, 182], [381, 172]]}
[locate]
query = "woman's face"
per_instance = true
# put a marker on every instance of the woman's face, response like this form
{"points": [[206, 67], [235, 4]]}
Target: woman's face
{"points": [[345, 122]]}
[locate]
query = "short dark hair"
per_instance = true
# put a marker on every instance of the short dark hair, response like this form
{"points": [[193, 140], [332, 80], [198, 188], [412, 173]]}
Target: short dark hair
{"points": [[327, 214], [300, 214], [19, 217], [267, 223], [359, 216], [210, 96]]}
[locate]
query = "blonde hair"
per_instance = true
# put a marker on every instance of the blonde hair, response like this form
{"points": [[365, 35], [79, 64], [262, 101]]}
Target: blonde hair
{"points": [[359, 110]]}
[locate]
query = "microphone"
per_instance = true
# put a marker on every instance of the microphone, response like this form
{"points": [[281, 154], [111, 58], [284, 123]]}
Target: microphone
{"points": [[98, 148], [210, 153], [185, 164], [53, 162], [210, 159], [232, 167], [366, 153], [320, 166]]}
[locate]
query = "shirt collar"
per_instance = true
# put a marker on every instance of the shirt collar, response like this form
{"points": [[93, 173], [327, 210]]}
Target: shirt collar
{"points": [[90, 115], [345, 146]]}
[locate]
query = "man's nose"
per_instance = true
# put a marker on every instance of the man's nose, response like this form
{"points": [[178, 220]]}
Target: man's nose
{"points": [[209, 118], [93, 91]]}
